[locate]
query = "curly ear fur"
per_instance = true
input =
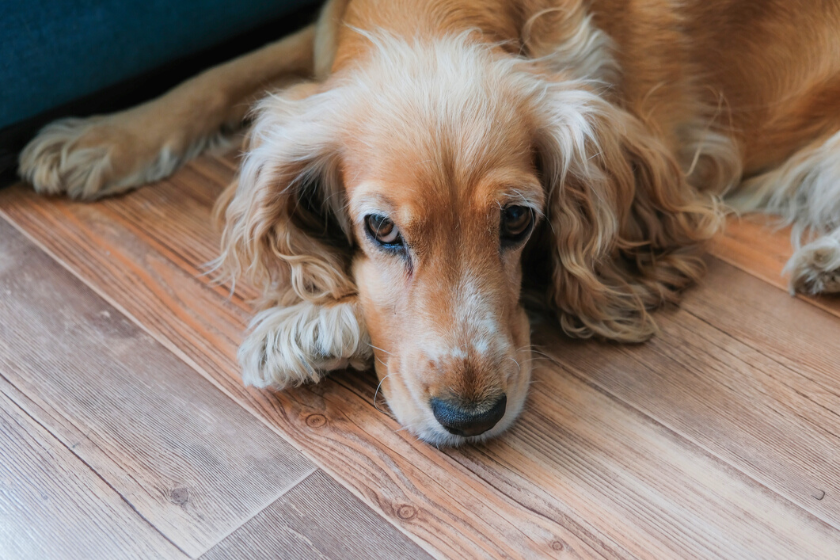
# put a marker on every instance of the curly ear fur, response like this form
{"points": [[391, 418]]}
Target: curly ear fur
{"points": [[626, 228], [286, 232]]}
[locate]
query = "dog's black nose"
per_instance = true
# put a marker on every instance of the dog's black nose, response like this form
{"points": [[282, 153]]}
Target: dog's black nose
{"points": [[468, 420]]}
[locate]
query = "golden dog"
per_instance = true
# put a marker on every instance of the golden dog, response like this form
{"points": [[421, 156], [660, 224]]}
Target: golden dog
{"points": [[419, 159]]}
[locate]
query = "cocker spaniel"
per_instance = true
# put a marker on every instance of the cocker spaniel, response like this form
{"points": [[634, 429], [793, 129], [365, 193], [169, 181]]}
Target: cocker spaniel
{"points": [[420, 163]]}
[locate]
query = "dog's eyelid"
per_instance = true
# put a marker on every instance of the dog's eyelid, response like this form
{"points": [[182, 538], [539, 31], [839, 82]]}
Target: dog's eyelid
{"points": [[535, 207], [529, 196]]}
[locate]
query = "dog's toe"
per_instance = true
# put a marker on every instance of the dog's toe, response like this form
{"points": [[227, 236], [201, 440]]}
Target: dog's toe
{"points": [[815, 268]]}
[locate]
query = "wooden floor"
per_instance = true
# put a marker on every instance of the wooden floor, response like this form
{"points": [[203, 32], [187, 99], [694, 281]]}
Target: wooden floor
{"points": [[126, 432]]}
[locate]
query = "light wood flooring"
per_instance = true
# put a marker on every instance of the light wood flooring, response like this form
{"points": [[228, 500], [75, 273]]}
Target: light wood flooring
{"points": [[126, 432]]}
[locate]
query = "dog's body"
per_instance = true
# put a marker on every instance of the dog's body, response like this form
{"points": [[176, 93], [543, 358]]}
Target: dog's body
{"points": [[420, 147]]}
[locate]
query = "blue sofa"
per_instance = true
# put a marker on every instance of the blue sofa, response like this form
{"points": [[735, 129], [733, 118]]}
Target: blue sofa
{"points": [[54, 53]]}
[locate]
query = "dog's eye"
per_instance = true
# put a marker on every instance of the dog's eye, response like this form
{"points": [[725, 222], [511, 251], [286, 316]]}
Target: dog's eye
{"points": [[383, 230], [516, 223]]}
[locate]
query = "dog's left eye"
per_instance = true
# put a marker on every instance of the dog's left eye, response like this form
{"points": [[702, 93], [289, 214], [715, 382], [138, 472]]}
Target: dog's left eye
{"points": [[383, 230], [516, 224]]}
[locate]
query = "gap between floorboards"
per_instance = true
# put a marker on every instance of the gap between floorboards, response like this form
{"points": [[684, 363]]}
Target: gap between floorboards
{"points": [[169, 345], [72, 451]]}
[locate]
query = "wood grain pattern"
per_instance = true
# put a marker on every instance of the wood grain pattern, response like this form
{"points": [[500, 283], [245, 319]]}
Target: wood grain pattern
{"points": [[317, 519], [53, 506], [677, 448], [804, 340], [188, 459], [757, 245], [653, 492], [778, 424], [120, 245]]}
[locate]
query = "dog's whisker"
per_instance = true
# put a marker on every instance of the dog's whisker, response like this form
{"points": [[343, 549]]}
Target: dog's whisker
{"points": [[376, 393], [380, 349], [515, 362]]}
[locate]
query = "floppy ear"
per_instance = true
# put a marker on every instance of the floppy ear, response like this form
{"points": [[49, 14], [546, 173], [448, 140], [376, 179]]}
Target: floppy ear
{"points": [[287, 233], [626, 229]]}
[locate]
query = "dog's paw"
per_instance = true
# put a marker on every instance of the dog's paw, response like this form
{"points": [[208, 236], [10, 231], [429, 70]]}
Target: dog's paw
{"points": [[77, 157], [288, 346], [815, 268], [99, 156]]}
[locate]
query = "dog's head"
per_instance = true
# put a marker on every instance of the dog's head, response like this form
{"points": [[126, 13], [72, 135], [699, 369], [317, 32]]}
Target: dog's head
{"points": [[387, 210]]}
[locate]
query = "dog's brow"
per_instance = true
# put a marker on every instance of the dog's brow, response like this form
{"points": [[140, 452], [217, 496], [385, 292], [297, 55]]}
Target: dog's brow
{"points": [[527, 195], [371, 202]]}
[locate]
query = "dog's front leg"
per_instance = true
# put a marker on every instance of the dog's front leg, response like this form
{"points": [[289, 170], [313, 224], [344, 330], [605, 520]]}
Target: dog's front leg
{"points": [[303, 342]]}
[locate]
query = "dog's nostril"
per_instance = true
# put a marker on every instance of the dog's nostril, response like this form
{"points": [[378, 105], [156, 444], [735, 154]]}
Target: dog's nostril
{"points": [[468, 420]]}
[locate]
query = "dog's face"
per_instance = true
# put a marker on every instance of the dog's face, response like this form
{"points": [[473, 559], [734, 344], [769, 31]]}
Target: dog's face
{"points": [[386, 211], [441, 213], [442, 194]]}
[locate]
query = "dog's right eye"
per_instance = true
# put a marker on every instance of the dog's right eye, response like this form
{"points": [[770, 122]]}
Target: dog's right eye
{"points": [[383, 230], [517, 223]]}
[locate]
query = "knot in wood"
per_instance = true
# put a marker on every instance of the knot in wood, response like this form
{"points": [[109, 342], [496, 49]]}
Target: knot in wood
{"points": [[179, 496], [558, 546], [316, 420], [406, 511]]}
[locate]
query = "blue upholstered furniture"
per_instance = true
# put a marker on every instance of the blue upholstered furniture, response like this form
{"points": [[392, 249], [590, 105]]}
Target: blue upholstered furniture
{"points": [[55, 51]]}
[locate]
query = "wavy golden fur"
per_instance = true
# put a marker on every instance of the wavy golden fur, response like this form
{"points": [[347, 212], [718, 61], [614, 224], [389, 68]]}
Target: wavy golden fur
{"points": [[616, 125]]}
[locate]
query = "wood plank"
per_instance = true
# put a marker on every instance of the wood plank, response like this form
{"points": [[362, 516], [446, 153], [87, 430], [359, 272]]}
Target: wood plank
{"points": [[120, 247], [804, 340], [658, 493], [713, 376], [317, 519], [564, 481], [758, 246], [53, 506], [187, 458], [754, 244]]}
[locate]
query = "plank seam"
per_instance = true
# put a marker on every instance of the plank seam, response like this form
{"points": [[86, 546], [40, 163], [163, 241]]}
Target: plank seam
{"points": [[271, 502], [705, 451], [712, 455], [807, 299], [85, 463], [775, 361], [598, 542], [169, 345]]}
